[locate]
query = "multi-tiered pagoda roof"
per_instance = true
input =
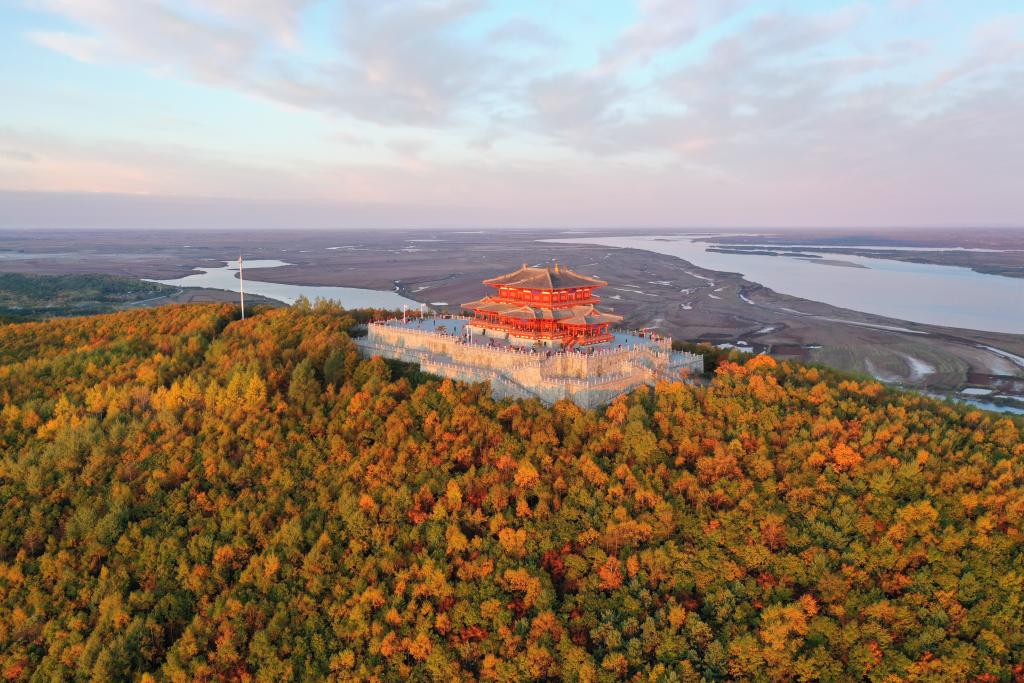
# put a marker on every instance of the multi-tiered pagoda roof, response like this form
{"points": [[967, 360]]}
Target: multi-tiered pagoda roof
{"points": [[546, 304], [545, 278]]}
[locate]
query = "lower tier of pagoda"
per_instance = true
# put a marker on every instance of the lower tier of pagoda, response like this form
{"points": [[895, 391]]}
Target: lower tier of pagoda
{"points": [[578, 325], [517, 330]]}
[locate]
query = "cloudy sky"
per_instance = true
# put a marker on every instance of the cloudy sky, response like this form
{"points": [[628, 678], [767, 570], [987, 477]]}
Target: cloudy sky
{"points": [[364, 113]]}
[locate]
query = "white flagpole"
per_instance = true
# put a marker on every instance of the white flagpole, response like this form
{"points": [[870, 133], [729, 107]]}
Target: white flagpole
{"points": [[241, 287]]}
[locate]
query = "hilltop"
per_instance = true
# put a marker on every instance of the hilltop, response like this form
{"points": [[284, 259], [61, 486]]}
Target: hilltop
{"points": [[184, 495]]}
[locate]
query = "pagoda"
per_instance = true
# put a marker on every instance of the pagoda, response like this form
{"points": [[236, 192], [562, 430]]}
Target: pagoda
{"points": [[527, 341], [550, 306]]}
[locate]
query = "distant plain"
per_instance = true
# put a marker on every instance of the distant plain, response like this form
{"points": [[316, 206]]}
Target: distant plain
{"points": [[444, 268]]}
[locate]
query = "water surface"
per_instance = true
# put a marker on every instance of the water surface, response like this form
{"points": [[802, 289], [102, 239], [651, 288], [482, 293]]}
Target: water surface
{"points": [[920, 292], [226, 277]]}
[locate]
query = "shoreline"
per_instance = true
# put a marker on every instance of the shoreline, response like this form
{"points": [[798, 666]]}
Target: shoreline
{"points": [[684, 301]]}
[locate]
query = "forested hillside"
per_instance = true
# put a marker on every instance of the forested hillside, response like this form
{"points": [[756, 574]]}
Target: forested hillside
{"points": [[27, 297], [185, 496]]}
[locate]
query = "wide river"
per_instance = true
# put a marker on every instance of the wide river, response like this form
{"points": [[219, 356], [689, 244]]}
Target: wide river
{"points": [[918, 292], [225, 277]]}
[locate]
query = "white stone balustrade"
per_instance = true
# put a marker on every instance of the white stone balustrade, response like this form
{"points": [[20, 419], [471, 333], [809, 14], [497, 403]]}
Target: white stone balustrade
{"points": [[590, 377]]}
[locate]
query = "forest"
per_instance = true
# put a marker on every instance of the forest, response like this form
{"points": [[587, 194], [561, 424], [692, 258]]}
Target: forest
{"points": [[28, 297], [186, 496]]}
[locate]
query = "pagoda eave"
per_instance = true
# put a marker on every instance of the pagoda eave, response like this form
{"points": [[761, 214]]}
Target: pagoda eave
{"points": [[544, 306], [562, 336]]}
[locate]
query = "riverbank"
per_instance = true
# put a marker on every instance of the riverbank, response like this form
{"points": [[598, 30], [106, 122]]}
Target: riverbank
{"points": [[651, 290]]}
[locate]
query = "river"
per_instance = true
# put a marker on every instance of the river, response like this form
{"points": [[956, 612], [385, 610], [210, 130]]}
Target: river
{"points": [[225, 277], [925, 293]]}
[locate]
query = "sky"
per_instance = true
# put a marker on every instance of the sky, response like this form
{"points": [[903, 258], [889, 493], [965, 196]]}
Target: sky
{"points": [[519, 113]]}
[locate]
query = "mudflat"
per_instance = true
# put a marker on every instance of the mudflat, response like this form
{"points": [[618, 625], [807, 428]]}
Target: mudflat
{"points": [[445, 268]]}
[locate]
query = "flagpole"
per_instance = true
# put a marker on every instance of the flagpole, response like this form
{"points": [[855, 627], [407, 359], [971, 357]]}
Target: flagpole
{"points": [[241, 286]]}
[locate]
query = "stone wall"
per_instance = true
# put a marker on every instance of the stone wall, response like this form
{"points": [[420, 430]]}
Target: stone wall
{"points": [[590, 379]]}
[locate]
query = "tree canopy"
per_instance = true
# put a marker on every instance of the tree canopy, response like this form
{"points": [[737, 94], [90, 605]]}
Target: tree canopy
{"points": [[27, 297], [187, 496]]}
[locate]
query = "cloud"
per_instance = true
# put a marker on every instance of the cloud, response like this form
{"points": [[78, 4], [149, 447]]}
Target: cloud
{"points": [[82, 48], [995, 44], [402, 62], [524, 32], [276, 18], [663, 25], [17, 155], [117, 165], [393, 63], [568, 100], [789, 101], [210, 46], [409, 151], [690, 104]]}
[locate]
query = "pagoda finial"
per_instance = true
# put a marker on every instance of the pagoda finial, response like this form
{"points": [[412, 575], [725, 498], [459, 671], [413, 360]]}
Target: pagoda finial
{"points": [[525, 265], [556, 265]]}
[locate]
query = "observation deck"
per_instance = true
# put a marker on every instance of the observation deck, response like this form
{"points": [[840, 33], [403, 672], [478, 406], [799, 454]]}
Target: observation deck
{"points": [[590, 375]]}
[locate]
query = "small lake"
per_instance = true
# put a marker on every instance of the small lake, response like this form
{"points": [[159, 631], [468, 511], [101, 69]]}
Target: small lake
{"points": [[226, 277], [918, 292]]}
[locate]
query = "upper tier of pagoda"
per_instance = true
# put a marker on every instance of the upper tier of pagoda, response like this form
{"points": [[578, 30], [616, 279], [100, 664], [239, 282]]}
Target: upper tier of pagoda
{"points": [[553, 304], [547, 287], [558, 277]]}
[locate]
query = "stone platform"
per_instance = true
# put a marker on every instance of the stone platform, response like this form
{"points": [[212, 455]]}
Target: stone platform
{"points": [[591, 376]]}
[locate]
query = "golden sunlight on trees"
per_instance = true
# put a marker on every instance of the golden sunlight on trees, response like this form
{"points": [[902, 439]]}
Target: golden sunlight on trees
{"points": [[186, 496]]}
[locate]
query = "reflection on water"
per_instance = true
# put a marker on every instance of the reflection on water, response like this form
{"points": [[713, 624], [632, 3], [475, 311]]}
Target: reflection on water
{"points": [[225, 277], [919, 292]]}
